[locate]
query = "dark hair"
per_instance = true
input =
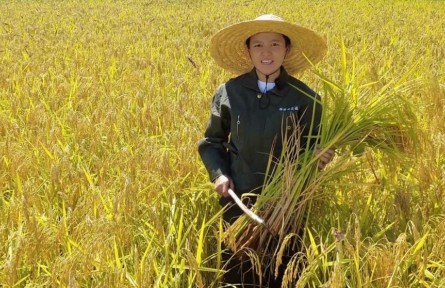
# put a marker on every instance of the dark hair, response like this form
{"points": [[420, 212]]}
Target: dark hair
{"points": [[286, 41]]}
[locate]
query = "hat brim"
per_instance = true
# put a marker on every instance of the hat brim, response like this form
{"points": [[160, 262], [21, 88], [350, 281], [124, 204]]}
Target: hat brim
{"points": [[228, 46]]}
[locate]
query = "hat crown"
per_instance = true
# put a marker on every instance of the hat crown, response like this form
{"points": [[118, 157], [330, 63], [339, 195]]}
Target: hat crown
{"points": [[269, 17]]}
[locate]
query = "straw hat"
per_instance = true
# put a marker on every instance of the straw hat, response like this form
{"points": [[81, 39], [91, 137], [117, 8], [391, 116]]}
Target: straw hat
{"points": [[228, 46]]}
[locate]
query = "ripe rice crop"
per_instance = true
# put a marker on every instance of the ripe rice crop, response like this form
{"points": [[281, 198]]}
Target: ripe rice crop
{"points": [[102, 104]]}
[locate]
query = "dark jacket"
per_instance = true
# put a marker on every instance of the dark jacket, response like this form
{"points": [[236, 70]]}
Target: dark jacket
{"points": [[245, 124]]}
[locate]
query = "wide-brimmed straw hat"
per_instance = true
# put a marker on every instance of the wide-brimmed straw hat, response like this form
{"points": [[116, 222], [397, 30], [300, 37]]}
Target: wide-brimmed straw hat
{"points": [[228, 46]]}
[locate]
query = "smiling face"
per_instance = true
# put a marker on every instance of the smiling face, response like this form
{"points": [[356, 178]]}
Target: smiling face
{"points": [[267, 51]]}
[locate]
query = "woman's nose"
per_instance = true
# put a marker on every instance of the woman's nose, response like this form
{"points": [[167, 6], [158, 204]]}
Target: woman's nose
{"points": [[266, 51]]}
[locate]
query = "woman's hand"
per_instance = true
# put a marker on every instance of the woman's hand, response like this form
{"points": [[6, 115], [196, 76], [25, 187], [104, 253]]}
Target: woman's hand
{"points": [[325, 157], [222, 185]]}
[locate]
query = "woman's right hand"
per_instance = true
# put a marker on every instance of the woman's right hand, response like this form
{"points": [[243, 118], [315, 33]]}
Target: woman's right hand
{"points": [[222, 185]]}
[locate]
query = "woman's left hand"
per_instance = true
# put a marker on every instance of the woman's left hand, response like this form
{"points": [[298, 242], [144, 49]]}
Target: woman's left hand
{"points": [[326, 156]]}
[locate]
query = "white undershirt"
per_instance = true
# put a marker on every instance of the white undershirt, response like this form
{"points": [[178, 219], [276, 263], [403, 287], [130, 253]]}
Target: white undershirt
{"points": [[263, 88]]}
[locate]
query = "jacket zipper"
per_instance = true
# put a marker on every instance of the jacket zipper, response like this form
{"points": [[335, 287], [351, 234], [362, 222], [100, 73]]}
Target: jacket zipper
{"points": [[238, 122]]}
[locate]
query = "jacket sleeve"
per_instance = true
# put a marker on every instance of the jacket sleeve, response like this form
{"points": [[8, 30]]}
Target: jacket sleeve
{"points": [[211, 149]]}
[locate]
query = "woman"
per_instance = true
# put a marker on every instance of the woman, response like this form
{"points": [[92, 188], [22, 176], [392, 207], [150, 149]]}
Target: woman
{"points": [[250, 113]]}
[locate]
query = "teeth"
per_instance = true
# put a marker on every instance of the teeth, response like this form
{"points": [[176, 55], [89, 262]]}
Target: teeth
{"points": [[266, 61]]}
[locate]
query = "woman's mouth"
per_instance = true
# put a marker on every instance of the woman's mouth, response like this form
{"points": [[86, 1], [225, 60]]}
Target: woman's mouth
{"points": [[266, 62]]}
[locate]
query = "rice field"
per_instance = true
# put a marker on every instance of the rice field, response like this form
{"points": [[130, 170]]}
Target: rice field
{"points": [[102, 104]]}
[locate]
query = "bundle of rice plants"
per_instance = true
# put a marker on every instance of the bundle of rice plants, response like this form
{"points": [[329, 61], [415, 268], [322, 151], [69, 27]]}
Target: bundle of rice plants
{"points": [[353, 120]]}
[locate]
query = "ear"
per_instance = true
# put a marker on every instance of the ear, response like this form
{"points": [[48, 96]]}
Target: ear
{"points": [[287, 51], [247, 52]]}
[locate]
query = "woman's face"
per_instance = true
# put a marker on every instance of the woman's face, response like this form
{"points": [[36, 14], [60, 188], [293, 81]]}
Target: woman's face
{"points": [[267, 51]]}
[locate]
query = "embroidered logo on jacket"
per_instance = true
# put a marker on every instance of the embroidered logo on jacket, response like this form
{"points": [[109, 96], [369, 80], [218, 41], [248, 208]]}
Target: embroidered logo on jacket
{"points": [[285, 109]]}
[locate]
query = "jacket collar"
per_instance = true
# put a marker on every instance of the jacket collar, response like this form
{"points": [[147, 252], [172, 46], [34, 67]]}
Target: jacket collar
{"points": [[251, 80]]}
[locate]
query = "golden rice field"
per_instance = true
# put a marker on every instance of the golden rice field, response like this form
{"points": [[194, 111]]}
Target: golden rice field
{"points": [[101, 107]]}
